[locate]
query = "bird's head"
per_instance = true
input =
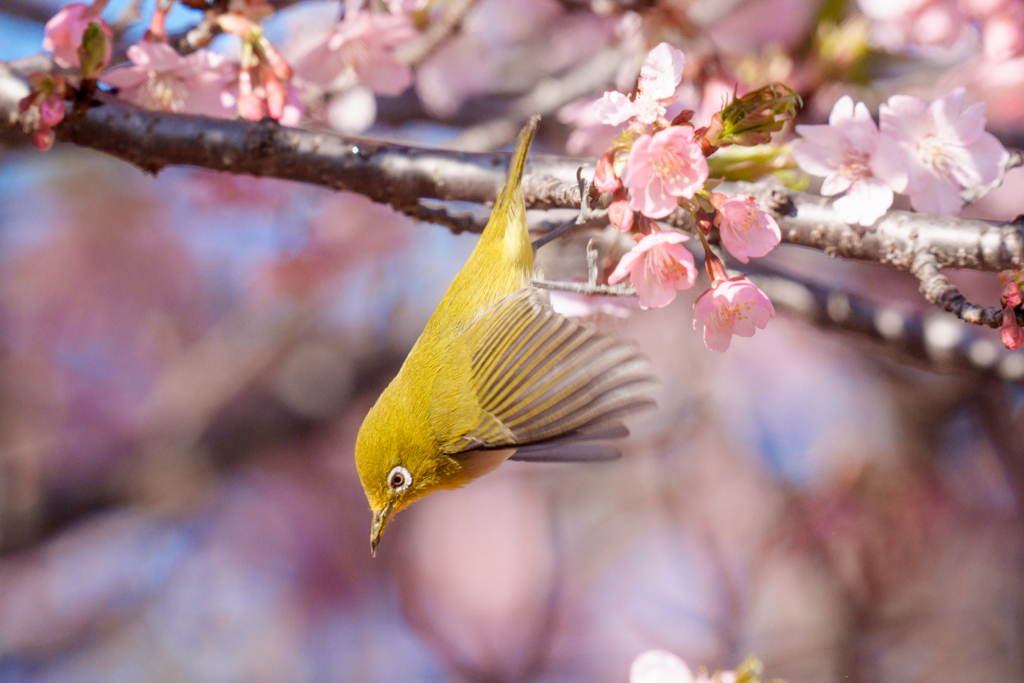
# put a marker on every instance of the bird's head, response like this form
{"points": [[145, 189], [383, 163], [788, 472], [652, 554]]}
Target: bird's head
{"points": [[395, 470]]}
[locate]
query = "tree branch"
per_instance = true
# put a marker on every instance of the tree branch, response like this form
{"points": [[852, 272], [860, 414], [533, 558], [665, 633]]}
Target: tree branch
{"points": [[398, 174]]}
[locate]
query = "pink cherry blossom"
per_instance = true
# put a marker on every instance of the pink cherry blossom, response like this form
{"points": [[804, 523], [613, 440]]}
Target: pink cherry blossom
{"points": [[658, 266], [1011, 333], [64, 33], [659, 77], [663, 167], [946, 149], [659, 666], [359, 50], [162, 79], [746, 230], [851, 154], [733, 306]]}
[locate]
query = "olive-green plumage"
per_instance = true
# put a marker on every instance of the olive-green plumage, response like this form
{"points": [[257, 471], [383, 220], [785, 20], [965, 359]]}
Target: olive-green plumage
{"points": [[495, 370]]}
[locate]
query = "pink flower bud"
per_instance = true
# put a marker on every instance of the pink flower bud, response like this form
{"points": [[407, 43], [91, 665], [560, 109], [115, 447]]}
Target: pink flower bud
{"points": [[43, 138], [64, 34], [619, 213], [604, 176], [1011, 333], [51, 111], [1011, 290], [277, 95]]}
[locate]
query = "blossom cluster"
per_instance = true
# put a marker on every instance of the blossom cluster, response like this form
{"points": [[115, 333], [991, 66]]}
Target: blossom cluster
{"points": [[657, 166], [258, 82], [930, 152]]}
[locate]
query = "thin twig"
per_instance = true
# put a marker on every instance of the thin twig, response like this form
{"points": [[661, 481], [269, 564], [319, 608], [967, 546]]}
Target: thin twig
{"points": [[585, 288], [584, 217], [938, 290]]}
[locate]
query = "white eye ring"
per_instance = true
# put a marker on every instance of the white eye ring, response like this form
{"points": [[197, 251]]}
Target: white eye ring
{"points": [[399, 478]]}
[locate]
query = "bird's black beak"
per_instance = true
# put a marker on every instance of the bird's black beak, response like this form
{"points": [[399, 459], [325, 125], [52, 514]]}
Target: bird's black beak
{"points": [[380, 522]]}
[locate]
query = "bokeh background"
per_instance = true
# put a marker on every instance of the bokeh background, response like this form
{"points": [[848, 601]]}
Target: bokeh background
{"points": [[185, 360]]}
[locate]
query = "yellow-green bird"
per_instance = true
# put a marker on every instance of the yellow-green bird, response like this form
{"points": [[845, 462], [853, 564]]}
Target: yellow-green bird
{"points": [[496, 374]]}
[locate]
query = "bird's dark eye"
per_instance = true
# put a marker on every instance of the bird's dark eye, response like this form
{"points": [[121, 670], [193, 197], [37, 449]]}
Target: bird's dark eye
{"points": [[399, 479]]}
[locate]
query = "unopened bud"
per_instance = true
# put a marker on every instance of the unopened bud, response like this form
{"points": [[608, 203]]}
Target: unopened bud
{"points": [[751, 119], [43, 138], [94, 51]]}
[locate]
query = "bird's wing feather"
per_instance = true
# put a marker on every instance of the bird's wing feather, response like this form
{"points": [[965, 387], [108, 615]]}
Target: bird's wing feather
{"points": [[538, 376]]}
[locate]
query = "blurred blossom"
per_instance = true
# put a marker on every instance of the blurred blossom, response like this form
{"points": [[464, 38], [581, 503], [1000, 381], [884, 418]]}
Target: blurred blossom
{"points": [[658, 267], [851, 155], [338, 239], [65, 30], [659, 666], [352, 111], [589, 135], [754, 25], [942, 22], [1003, 33], [99, 571], [505, 46], [359, 50], [161, 78], [663, 167], [480, 574], [92, 316], [734, 306], [946, 149], [408, 6]]}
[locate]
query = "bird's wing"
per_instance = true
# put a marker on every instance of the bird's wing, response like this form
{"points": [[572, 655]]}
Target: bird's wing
{"points": [[545, 384]]}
